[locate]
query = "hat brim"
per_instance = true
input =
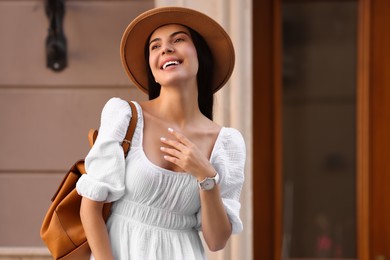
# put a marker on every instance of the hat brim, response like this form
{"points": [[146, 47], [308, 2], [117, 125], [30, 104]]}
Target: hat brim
{"points": [[137, 32]]}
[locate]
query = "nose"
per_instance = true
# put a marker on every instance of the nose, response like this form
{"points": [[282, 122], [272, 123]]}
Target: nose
{"points": [[167, 49]]}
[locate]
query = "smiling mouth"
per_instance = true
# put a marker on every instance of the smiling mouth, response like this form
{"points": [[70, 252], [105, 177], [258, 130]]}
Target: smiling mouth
{"points": [[170, 63]]}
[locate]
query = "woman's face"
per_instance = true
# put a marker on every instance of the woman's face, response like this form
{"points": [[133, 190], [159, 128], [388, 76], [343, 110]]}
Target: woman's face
{"points": [[172, 56]]}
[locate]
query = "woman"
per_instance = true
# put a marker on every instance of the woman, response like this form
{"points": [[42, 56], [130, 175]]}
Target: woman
{"points": [[184, 173]]}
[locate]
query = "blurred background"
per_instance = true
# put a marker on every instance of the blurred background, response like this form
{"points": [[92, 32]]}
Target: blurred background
{"points": [[309, 93]]}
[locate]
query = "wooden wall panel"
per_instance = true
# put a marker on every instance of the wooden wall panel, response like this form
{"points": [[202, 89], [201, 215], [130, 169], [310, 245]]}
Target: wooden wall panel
{"points": [[44, 115], [42, 133], [266, 192], [380, 130], [93, 30], [24, 198], [363, 130], [44, 130]]}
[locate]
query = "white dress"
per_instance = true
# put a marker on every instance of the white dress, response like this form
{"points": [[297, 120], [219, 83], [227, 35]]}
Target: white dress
{"points": [[156, 212]]}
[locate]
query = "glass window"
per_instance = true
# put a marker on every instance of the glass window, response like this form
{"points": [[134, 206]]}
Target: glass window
{"points": [[319, 129]]}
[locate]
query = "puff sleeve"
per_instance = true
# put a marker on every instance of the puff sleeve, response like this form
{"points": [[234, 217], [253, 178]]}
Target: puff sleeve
{"points": [[105, 162], [229, 161]]}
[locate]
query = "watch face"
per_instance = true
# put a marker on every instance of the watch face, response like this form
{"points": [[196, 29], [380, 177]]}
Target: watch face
{"points": [[208, 184]]}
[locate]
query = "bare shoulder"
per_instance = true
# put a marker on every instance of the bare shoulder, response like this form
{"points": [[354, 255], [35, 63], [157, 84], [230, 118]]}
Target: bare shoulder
{"points": [[208, 127], [206, 130], [145, 105]]}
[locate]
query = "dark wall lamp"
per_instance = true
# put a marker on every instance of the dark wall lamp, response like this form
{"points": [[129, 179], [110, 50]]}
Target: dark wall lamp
{"points": [[56, 54]]}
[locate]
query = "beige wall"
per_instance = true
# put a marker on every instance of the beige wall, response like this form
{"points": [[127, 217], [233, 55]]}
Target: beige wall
{"points": [[45, 116], [234, 103]]}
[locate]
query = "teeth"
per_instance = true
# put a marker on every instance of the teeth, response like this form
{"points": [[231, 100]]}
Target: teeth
{"points": [[170, 63]]}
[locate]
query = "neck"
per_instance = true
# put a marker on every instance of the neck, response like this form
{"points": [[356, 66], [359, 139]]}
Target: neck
{"points": [[177, 106]]}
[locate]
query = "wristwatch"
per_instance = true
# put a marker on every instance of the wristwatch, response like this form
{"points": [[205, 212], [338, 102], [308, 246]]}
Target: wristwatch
{"points": [[209, 182]]}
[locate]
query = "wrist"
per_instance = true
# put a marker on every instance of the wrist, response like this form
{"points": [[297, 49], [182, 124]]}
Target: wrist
{"points": [[209, 172]]}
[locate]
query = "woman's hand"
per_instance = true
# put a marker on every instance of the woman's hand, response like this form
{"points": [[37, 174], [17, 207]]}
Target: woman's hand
{"points": [[186, 155]]}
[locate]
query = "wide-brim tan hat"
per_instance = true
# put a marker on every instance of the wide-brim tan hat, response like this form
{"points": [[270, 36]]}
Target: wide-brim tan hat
{"points": [[138, 31]]}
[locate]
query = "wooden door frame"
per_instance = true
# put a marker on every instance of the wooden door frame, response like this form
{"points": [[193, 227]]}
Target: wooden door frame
{"points": [[267, 203], [378, 95], [363, 130], [267, 137]]}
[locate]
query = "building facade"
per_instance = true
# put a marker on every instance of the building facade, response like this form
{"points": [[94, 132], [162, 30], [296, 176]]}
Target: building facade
{"points": [[310, 94]]}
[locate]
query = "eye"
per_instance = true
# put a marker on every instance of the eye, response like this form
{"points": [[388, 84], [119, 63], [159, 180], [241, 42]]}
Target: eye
{"points": [[179, 40], [154, 46]]}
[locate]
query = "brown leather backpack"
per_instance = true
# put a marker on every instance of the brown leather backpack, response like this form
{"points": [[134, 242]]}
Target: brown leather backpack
{"points": [[62, 230]]}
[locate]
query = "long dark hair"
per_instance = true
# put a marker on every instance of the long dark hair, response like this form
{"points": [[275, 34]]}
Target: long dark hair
{"points": [[204, 76]]}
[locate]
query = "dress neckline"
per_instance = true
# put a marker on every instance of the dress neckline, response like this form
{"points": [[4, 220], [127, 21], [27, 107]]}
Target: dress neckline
{"points": [[141, 129]]}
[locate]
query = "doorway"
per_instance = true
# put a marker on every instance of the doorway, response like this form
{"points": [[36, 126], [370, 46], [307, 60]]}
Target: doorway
{"points": [[321, 188]]}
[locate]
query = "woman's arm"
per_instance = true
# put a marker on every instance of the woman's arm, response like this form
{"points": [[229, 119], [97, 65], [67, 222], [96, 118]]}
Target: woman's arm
{"points": [[95, 229], [216, 226]]}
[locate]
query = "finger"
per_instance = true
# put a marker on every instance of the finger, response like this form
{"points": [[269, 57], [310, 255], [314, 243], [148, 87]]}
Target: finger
{"points": [[179, 136], [173, 160], [171, 152], [175, 144]]}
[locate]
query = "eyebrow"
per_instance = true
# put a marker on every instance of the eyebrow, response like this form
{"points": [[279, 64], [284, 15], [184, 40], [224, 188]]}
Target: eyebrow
{"points": [[170, 36]]}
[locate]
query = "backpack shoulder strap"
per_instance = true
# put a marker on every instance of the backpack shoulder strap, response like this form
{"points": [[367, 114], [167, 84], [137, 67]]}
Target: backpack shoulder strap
{"points": [[130, 131], [92, 135]]}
